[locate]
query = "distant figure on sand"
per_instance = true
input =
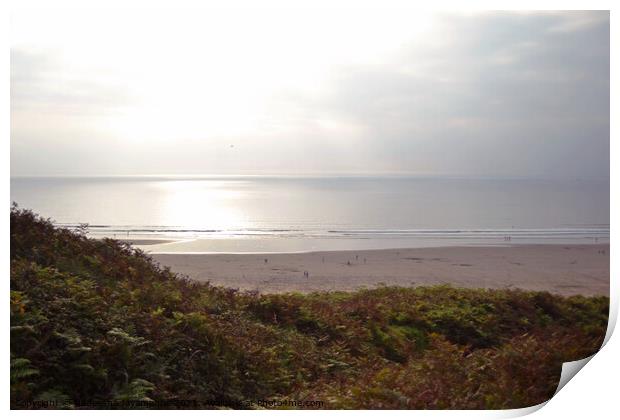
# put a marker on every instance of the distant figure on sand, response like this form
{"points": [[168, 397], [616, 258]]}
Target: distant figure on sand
{"points": [[266, 260], [348, 262]]}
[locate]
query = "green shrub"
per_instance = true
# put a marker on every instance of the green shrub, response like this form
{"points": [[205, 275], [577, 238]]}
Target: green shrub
{"points": [[98, 320]]}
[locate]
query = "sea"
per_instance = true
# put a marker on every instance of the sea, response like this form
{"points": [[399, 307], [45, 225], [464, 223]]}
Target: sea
{"points": [[261, 214]]}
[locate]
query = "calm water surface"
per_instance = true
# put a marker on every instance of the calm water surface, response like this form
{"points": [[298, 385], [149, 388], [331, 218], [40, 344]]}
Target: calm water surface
{"points": [[286, 214]]}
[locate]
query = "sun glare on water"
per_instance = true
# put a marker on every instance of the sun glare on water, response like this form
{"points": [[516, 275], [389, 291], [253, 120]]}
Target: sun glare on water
{"points": [[201, 204]]}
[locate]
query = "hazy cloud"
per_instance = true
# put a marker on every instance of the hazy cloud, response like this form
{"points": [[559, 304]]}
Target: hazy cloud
{"points": [[493, 94]]}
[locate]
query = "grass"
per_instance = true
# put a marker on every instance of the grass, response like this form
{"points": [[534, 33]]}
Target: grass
{"points": [[99, 321]]}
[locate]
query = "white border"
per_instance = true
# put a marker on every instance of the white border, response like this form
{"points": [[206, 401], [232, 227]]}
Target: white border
{"points": [[593, 393]]}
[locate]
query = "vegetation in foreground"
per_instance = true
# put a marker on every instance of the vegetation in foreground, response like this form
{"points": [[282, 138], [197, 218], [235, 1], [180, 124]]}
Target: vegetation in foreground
{"points": [[95, 320]]}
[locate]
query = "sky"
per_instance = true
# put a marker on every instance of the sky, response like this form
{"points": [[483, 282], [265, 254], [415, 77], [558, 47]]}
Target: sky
{"points": [[97, 92]]}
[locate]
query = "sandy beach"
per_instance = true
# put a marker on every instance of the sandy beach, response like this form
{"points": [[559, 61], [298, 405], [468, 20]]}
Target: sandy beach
{"points": [[560, 269]]}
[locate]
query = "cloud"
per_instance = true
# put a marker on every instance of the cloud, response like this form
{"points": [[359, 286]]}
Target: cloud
{"points": [[496, 94], [39, 81], [489, 94]]}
